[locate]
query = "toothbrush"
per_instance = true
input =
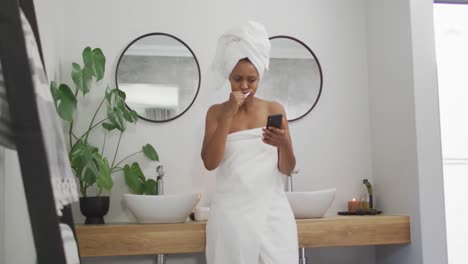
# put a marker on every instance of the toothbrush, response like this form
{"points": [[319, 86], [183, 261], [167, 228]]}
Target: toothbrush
{"points": [[247, 94]]}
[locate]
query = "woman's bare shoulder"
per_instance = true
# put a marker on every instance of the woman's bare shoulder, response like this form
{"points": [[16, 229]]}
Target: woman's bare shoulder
{"points": [[274, 107], [214, 110]]}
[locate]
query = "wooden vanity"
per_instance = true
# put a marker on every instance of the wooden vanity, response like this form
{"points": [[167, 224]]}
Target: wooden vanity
{"points": [[149, 239]]}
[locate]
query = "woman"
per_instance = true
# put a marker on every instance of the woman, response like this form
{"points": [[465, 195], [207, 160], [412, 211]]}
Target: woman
{"points": [[250, 221]]}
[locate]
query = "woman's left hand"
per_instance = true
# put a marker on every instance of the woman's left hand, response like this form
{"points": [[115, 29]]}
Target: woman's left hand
{"points": [[275, 137]]}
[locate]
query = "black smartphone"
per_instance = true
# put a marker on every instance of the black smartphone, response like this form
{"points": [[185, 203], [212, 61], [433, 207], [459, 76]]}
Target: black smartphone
{"points": [[274, 121]]}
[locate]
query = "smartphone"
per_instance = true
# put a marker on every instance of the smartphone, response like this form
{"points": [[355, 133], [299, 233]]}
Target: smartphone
{"points": [[274, 121]]}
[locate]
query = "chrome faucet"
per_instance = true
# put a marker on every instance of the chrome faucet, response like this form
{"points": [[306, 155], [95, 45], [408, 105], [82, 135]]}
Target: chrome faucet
{"points": [[159, 179], [289, 188], [160, 258], [289, 183]]}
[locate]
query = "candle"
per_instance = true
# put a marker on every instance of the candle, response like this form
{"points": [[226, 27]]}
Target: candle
{"points": [[354, 205], [202, 213]]}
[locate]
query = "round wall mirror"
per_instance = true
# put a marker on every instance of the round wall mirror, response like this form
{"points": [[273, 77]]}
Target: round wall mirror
{"points": [[294, 77], [160, 75]]}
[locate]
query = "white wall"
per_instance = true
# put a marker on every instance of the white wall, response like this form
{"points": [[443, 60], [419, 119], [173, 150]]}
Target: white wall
{"points": [[392, 119], [405, 126], [332, 143], [50, 19], [431, 185]]}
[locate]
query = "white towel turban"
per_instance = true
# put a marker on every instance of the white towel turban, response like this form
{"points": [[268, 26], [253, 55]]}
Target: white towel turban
{"points": [[248, 41]]}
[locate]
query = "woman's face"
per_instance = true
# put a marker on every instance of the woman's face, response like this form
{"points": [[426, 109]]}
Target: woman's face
{"points": [[244, 77]]}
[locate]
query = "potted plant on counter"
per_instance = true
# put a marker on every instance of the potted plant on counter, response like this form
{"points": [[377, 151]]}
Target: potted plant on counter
{"points": [[90, 165]]}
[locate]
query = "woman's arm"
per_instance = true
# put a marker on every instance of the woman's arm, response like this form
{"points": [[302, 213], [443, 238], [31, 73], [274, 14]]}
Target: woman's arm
{"points": [[281, 139], [216, 131], [218, 123], [286, 157]]}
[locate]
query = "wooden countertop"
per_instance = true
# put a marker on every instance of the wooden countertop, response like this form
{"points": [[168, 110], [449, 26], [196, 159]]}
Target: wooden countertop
{"points": [[147, 239]]}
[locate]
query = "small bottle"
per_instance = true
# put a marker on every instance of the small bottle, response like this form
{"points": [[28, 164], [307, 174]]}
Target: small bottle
{"points": [[364, 201], [159, 180], [370, 193]]}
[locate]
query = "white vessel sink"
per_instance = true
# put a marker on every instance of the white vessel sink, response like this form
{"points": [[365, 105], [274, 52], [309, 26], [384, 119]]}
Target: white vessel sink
{"points": [[311, 204], [159, 209]]}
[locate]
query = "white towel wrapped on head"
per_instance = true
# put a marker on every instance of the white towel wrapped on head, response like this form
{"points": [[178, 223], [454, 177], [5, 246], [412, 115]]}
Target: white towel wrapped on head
{"points": [[248, 41]]}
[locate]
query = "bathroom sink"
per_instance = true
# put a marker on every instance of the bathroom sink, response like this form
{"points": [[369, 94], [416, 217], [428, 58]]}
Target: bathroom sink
{"points": [[312, 204], [159, 209]]}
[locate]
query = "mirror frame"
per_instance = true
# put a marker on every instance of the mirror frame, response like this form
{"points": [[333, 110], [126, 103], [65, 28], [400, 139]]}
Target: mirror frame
{"points": [[319, 68], [194, 57]]}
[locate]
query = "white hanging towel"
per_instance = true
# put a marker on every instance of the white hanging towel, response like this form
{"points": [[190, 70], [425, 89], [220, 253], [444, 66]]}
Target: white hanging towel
{"points": [[63, 181], [250, 220]]}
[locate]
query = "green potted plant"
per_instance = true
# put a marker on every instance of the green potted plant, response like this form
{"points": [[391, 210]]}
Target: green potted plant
{"points": [[88, 161]]}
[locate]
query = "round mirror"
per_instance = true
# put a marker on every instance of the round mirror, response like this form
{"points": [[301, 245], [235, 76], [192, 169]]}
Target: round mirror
{"points": [[294, 77], [160, 75]]}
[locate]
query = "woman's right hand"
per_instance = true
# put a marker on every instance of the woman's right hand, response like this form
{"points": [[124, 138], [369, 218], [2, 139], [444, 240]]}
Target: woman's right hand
{"points": [[236, 99]]}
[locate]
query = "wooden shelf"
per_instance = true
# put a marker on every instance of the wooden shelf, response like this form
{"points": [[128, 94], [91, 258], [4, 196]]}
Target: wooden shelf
{"points": [[148, 239], [354, 231]]}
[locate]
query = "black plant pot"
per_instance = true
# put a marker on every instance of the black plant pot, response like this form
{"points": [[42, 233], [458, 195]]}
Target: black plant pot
{"points": [[94, 208]]}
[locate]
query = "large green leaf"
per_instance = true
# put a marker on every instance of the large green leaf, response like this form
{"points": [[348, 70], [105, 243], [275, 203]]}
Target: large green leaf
{"points": [[82, 78], [134, 115], [65, 101], [116, 117], [136, 168], [93, 149], [134, 182], [119, 100], [99, 63], [120, 104], [116, 98], [90, 166], [150, 152], [54, 92], [85, 164], [95, 61], [76, 75], [76, 159], [104, 180], [108, 126], [122, 94], [90, 172], [129, 116], [108, 94], [88, 57], [85, 161], [116, 110], [151, 187]]}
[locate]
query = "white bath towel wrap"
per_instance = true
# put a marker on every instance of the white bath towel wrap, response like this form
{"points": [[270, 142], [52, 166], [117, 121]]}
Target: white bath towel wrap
{"points": [[250, 219]]}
